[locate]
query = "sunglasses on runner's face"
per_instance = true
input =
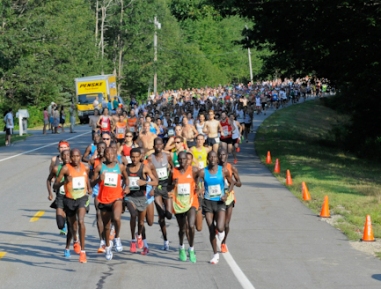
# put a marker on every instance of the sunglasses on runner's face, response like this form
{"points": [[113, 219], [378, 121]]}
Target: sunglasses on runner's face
{"points": [[105, 138], [128, 135]]}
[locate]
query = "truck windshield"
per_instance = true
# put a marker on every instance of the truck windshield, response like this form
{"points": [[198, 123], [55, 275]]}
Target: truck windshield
{"points": [[86, 98]]}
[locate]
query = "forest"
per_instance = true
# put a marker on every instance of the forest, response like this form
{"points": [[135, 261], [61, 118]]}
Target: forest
{"points": [[45, 44]]}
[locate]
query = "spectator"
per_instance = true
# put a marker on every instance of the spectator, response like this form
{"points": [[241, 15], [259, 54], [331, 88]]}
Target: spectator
{"points": [[46, 119], [115, 103], [72, 117], [62, 118], [56, 119], [50, 112], [96, 103], [8, 119]]}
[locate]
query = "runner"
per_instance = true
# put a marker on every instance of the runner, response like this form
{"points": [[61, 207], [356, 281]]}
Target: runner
{"points": [[93, 123], [109, 177], [146, 137], [105, 122], [170, 146], [127, 147], [179, 146], [91, 150], [236, 135], [214, 199], [189, 133], [230, 201], [76, 200], [226, 132], [162, 162], [185, 204], [120, 130], [211, 129], [63, 145], [136, 199]]}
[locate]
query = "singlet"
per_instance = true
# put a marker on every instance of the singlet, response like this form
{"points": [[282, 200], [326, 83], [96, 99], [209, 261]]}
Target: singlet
{"points": [[92, 150], [62, 188], [240, 116], [126, 152], [214, 185], [120, 130], [161, 134], [226, 129], [236, 133], [131, 122], [175, 159], [247, 118], [110, 189], [135, 189], [200, 128], [105, 123], [231, 196], [162, 169], [77, 187], [152, 128], [184, 196], [200, 156]]}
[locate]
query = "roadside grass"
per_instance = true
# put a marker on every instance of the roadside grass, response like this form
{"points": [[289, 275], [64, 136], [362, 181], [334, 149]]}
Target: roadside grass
{"points": [[299, 136], [14, 138]]}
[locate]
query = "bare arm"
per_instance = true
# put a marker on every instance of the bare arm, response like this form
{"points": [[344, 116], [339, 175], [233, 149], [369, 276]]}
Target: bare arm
{"points": [[236, 177], [85, 157], [51, 175], [63, 173]]}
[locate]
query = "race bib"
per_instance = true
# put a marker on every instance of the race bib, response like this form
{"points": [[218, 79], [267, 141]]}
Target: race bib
{"points": [[171, 131], [78, 183], [133, 183], [132, 129], [62, 190], [214, 191], [111, 180], [201, 165], [162, 173], [225, 130], [120, 130], [217, 140], [183, 189], [128, 159], [104, 124]]}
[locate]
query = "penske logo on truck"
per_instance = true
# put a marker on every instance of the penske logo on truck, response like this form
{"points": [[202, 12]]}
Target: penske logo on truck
{"points": [[92, 85], [95, 86]]}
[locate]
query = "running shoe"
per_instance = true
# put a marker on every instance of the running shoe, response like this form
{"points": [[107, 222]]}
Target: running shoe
{"points": [[238, 149], [221, 236], [82, 257], [192, 256], [140, 242], [166, 246], [67, 253], [63, 231], [182, 255], [235, 161], [102, 247], [77, 247], [118, 245], [145, 251], [215, 259], [133, 247], [108, 254], [112, 232], [224, 248]]}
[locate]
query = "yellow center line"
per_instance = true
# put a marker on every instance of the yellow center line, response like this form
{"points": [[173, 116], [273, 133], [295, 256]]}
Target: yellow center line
{"points": [[36, 216], [2, 254]]}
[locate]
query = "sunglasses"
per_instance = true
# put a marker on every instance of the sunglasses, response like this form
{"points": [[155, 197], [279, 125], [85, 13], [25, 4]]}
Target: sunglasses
{"points": [[128, 135], [105, 138]]}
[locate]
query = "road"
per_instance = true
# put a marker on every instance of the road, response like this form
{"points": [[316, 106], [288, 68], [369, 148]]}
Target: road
{"points": [[274, 241]]}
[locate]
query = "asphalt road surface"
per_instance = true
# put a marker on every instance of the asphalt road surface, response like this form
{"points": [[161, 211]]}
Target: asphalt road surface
{"points": [[274, 240]]}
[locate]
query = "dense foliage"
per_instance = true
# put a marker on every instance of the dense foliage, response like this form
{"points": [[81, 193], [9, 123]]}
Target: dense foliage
{"points": [[338, 39], [44, 45]]}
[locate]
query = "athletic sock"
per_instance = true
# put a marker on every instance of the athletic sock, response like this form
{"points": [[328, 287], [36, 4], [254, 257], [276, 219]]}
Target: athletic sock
{"points": [[191, 248], [145, 243], [82, 251], [182, 246], [221, 235], [133, 240]]}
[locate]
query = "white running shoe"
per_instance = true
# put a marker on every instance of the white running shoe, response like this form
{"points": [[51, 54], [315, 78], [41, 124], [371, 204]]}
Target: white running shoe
{"points": [[118, 245], [166, 246], [108, 253], [215, 259]]}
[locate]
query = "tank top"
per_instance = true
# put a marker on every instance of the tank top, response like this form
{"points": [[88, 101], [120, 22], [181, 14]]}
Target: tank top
{"points": [[135, 189], [214, 185], [92, 150], [131, 122], [200, 128], [77, 187], [231, 196], [226, 129], [175, 159], [110, 189], [105, 123], [240, 116], [162, 169], [184, 191], [152, 128], [120, 130], [127, 151], [62, 188], [200, 156], [235, 133]]}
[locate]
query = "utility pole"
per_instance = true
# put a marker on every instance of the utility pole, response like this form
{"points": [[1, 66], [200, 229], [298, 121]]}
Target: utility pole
{"points": [[157, 26], [249, 55]]}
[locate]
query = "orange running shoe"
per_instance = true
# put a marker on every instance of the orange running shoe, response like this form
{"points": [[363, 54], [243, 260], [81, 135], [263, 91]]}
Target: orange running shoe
{"points": [[224, 248], [237, 149], [140, 242], [82, 257], [102, 248], [235, 161], [77, 247], [133, 247], [145, 251]]}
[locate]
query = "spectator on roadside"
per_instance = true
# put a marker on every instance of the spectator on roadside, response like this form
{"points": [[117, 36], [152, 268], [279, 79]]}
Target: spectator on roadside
{"points": [[133, 102], [96, 103], [46, 119], [8, 119], [50, 112], [115, 103], [62, 118], [72, 117], [56, 119]]}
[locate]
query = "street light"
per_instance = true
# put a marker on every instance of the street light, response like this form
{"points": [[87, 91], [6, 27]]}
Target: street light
{"points": [[249, 54], [157, 26]]}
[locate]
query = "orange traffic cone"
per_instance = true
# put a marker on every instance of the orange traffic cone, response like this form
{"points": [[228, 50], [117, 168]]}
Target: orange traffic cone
{"points": [[288, 178], [368, 231], [277, 167], [324, 213], [305, 193], [268, 158]]}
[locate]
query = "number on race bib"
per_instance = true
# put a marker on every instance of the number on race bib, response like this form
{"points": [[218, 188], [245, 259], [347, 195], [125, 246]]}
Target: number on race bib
{"points": [[120, 130], [104, 124], [133, 183], [162, 173], [225, 131], [78, 183], [217, 140], [111, 179], [183, 189], [128, 159], [214, 191]]}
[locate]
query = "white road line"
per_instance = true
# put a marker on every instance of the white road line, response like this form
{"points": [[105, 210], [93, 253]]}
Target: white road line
{"points": [[36, 149], [242, 279]]}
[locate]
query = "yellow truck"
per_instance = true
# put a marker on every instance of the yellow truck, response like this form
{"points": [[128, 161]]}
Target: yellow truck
{"points": [[90, 87]]}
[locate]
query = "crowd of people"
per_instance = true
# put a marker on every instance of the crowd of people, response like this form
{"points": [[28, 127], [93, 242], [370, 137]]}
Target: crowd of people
{"points": [[55, 118], [170, 153]]}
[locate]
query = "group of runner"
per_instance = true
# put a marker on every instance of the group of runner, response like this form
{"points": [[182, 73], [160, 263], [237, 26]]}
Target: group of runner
{"points": [[170, 153]]}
